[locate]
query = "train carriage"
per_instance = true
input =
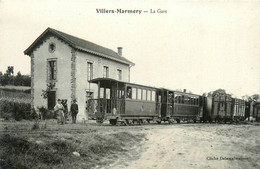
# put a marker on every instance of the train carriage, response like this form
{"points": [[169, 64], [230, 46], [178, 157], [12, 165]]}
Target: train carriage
{"points": [[256, 111], [221, 106], [238, 109], [122, 101], [179, 106]]}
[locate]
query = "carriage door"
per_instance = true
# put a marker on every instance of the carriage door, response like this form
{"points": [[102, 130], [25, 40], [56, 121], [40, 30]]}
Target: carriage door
{"points": [[158, 103], [90, 102], [51, 99]]}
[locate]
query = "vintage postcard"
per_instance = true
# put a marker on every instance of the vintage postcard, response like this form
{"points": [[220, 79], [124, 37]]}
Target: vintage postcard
{"points": [[129, 84]]}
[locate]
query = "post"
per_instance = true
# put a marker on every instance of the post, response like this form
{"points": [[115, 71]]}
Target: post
{"points": [[117, 96], [105, 97], [98, 109]]}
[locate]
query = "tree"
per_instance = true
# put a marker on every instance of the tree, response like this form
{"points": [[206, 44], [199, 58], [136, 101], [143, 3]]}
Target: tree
{"points": [[18, 81], [204, 94], [255, 97], [10, 71], [245, 97]]}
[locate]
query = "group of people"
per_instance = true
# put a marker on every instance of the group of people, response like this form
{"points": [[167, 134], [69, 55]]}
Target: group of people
{"points": [[61, 108]]}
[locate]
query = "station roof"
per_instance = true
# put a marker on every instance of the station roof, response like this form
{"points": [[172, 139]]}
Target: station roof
{"points": [[79, 44]]}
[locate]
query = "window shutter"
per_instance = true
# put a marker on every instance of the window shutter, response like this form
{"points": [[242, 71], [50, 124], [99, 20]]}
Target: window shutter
{"points": [[48, 70], [55, 70]]}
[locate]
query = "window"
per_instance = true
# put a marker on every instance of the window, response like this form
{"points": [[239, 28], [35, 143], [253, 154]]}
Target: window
{"points": [[144, 94], [108, 93], [52, 47], [119, 74], [153, 95], [101, 92], [139, 94], [106, 71], [134, 93], [182, 99], [52, 70], [89, 70], [192, 101], [129, 92], [149, 95]]}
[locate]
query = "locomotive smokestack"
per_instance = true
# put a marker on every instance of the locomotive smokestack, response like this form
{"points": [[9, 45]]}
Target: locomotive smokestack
{"points": [[119, 51], [184, 90]]}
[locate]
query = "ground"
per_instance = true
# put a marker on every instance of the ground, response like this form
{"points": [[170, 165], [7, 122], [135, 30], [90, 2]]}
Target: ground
{"points": [[198, 146], [148, 146]]}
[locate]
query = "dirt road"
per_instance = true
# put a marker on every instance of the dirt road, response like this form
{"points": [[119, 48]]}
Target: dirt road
{"points": [[197, 146]]}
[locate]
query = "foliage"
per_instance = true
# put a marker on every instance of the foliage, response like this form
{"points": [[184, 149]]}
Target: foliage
{"points": [[46, 113], [253, 98], [15, 95], [9, 79], [56, 149], [45, 93], [18, 111]]}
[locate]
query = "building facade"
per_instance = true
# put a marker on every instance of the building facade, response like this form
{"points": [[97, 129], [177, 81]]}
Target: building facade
{"points": [[67, 63]]}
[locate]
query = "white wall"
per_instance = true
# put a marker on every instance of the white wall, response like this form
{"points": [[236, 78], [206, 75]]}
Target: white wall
{"points": [[63, 55], [81, 76]]}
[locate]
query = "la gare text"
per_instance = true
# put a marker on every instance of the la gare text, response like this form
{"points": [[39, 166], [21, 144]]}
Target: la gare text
{"points": [[130, 11]]}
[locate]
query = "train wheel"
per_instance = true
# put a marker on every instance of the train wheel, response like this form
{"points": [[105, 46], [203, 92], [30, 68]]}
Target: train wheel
{"points": [[99, 120], [126, 122], [178, 120], [194, 120], [170, 121], [113, 121], [159, 121], [139, 121]]}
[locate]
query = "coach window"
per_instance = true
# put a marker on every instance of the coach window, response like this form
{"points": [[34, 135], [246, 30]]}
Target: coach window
{"points": [[122, 94], [133, 93], [188, 99], [149, 95], [139, 94], [144, 94], [179, 99], [153, 96], [129, 92], [101, 92], [182, 99], [108, 93]]}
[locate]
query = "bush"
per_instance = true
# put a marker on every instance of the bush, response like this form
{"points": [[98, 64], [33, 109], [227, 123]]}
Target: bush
{"points": [[46, 113], [10, 109]]}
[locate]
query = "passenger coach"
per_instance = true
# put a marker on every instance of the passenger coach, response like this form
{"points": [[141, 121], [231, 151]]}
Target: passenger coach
{"points": [[122, 101], [177, 106]]}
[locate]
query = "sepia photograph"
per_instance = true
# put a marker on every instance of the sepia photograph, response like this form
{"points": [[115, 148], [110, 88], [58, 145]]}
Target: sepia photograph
{"points": [[122, 84]]}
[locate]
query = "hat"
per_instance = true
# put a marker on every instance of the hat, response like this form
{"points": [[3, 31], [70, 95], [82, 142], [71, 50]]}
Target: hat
{"points": [[74, 100], [59, 100]]}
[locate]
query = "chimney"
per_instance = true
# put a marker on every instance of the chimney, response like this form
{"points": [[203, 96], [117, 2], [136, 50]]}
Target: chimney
{"points": [[119, 51], [184, 90]]}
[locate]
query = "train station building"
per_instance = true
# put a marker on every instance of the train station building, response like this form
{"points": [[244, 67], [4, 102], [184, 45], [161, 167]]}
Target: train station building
{"points": [[66, 63]]}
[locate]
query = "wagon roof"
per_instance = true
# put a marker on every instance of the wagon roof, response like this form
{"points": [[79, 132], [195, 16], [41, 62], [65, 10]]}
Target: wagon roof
{"points": [[180, 92], [79, 44], [110, 80]]}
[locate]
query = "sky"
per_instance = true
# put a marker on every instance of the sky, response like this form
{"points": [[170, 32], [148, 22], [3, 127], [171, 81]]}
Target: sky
{"points": [[198, 45]]}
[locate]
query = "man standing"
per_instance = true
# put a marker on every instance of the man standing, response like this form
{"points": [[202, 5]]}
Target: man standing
{"points": [[59, 109], [64, 103], [74, 110]]}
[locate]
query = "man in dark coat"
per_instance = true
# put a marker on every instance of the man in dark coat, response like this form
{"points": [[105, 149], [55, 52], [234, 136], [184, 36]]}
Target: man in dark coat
{"points": [[65, 105], [74, 110]]}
